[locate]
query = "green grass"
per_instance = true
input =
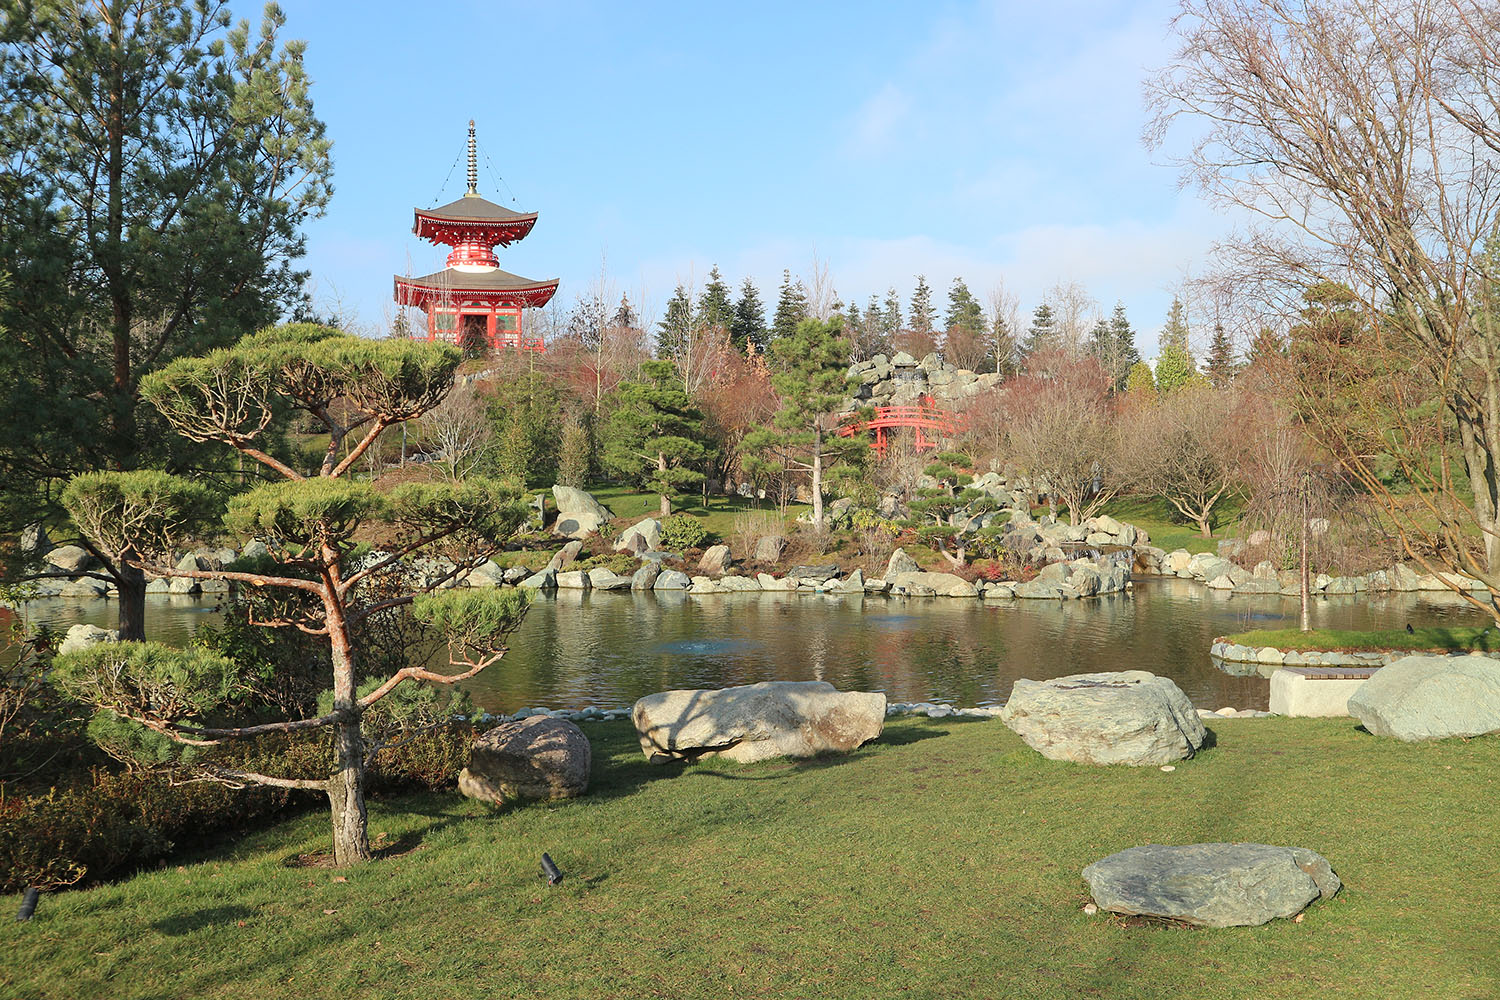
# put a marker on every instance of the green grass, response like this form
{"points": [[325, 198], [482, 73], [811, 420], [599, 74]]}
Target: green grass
{"points": [[1482, 637], [942, 861], [718, 513], [1166, 528]]}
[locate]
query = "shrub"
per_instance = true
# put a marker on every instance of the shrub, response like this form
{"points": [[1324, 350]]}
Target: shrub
{"points": [[683, 531]]}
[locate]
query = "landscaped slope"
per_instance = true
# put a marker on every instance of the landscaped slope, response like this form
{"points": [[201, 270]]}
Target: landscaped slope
{"points": [[942, 861]]}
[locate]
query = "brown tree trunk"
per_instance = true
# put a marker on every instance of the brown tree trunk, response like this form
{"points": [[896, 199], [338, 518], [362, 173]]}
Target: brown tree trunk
{"points": [[346, 798], [817, 478], [661, 466], [132, 618], [346, 786], [1203, 526]]}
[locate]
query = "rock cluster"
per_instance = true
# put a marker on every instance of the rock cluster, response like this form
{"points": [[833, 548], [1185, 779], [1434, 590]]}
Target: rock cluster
{"points": [[1218, 572], [892, 381]]}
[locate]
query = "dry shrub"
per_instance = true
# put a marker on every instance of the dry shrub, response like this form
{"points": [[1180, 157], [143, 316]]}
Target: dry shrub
{"points": [[750, 527]]}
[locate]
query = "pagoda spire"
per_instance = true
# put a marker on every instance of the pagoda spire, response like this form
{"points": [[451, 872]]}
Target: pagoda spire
{"points": [[473, 163]]}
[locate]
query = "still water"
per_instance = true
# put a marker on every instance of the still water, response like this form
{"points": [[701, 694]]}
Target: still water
{"points": [[608, 649]]}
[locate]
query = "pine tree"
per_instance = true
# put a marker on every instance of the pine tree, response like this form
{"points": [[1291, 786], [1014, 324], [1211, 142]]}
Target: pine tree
{"points": [[812, 385], [1175, 333], [791, 307], [749, 324], [876, 335], [714, 306], [1221, 367], [1043, 332], [676, 327], [1267, 350], [575, 458], [652, 438]]}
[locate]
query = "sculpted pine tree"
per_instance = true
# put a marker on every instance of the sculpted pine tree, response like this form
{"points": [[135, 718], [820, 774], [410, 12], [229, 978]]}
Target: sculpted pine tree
{"points": [[812, 386], [652, 436], [160, 164], [356, 389]]}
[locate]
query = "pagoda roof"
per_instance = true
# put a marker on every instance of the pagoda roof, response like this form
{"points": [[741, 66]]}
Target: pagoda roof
{"points": [[473, 216], [494, 285]]}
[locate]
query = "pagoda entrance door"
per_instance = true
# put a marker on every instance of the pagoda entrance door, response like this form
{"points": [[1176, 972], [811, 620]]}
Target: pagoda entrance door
{"points": [[474, 332]]}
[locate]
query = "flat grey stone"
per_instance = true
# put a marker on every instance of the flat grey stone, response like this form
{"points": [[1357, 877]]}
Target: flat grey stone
{"points": [[1211, 885]]}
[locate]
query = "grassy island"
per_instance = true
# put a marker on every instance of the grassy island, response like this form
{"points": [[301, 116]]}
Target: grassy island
{"points": [[943, 860], [1445, 639]]}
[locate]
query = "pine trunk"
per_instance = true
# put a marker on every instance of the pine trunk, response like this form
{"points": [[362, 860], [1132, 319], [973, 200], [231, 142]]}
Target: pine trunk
{"points": [[346, 798], [132, 618], [661, 466], [817, 478]]}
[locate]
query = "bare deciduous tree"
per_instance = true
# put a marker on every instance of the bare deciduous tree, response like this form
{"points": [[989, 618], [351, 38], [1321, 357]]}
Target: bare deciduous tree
{"points": [[1366, 136], [460, 428], [1062, 432], [1187, 449]]}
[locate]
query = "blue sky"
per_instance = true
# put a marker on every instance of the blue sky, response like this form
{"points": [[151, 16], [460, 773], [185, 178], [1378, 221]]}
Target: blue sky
{"points": [[999, 142]]}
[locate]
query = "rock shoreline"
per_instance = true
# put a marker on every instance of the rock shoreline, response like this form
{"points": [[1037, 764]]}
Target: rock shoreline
{"points": [[1273, 656]]}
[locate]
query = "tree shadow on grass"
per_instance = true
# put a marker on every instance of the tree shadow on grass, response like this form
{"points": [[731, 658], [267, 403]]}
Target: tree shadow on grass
{"points": [[196, 920]]}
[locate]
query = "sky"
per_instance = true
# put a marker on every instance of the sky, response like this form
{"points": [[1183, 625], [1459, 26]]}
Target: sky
{"points": [[998, 142]]}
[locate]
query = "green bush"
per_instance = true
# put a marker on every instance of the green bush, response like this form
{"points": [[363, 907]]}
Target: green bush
{"points": [[683, 531]]}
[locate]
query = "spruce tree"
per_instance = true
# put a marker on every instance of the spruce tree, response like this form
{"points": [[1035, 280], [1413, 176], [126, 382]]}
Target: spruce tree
{"points": [[1043, 332], [791, 307], [921, 308], [1126, 354], [676, 327], [749, 323], [1221, 366], [714, 306], [891, 316], [652, 437], [624, 317], [965, 345], [1175, 333]]}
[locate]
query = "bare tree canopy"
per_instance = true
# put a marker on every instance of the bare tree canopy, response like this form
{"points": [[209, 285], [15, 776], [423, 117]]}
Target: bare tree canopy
{"points": [[1365, 136]]}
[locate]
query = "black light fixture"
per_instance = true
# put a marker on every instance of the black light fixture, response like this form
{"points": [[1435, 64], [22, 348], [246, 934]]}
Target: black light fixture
{"points": [[550, 871], [28, 903]]}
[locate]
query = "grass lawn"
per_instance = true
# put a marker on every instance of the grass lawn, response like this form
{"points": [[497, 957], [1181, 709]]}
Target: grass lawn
{"points": [[1447, 639], [942, 861], [718, 514], [1166, 528]]}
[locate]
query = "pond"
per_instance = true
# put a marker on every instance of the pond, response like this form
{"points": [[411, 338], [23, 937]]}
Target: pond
{"points": [[609, 649]]}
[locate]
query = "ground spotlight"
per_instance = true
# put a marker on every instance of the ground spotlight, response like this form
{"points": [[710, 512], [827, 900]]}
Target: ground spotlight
{"points": [[550, 871], [28, 903]]}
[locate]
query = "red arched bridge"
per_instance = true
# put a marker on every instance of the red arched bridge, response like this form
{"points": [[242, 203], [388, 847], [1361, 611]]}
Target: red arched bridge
{"points": [[920, 417]]}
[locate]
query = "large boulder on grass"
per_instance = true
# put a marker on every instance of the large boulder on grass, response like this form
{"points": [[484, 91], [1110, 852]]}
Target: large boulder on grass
{"points": [[578, 513], [757, 721], [1211, 885], [1131, 717], [536, 758], [1431, 698], [643, 536]]}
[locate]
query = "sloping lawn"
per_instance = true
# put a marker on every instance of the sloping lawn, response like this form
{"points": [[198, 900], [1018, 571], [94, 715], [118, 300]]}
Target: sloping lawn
{"points": [[718, 513], [941, 862]]}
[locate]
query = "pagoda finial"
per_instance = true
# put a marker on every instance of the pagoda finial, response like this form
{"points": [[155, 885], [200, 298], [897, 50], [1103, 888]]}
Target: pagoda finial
{"points": [[473, 163]]}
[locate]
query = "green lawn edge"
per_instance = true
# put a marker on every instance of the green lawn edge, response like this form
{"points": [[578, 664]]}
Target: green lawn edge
{"points": [[1451, 639], [943, 860]]}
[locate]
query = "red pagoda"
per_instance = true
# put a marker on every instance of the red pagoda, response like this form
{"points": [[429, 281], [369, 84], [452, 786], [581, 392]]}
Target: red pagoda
{"points": [[472, 295]]}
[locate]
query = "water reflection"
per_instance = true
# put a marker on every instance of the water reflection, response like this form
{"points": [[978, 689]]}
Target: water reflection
{"points": [[608, 649]]}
